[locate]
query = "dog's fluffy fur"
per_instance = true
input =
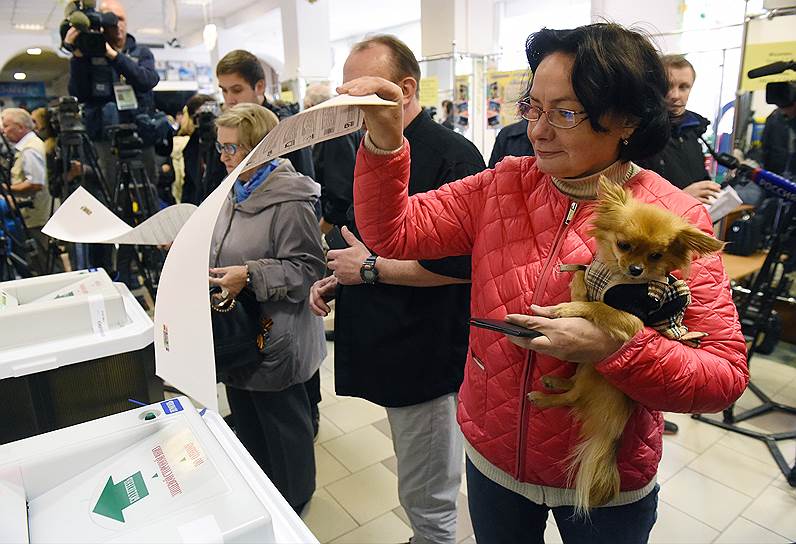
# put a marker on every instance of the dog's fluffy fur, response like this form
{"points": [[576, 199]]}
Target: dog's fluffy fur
{"points": [[629, 233]]}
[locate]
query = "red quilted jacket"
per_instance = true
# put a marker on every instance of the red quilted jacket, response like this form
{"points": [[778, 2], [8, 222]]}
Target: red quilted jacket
{"points": [[519, 229]]}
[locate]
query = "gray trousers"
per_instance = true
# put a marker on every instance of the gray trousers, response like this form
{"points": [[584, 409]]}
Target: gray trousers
{"points": [[429, 447]]}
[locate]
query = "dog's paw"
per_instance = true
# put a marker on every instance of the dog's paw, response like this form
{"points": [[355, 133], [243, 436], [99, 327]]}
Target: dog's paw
{"points": [[556, 382], [566, 309], [544, 400]]}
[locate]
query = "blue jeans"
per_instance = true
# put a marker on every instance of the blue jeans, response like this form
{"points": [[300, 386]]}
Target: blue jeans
{"points": [[501, 516]]}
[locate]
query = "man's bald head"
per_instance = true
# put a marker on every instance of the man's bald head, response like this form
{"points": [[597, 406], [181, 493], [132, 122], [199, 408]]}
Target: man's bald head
{"points": [[389, 58], [382, 56], [116, 35]]}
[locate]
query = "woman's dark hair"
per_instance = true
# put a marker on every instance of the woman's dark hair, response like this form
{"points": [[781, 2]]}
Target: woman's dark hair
{"points": [[616, 70]]}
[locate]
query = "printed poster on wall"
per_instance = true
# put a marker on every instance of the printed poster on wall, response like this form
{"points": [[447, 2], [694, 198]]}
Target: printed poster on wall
{"points": [[461, 102], [503, 91]]}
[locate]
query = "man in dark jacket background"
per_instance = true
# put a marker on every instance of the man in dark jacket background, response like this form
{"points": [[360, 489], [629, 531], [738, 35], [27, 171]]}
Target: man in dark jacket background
{"points": [[95, 82], [242, 80], [512, 140], [401, 327], [682, 161], [779, 137], [92, 80]]}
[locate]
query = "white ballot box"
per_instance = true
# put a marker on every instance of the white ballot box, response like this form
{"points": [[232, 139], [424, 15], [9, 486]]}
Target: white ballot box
{"points": [[73, 347], [161, 473]]}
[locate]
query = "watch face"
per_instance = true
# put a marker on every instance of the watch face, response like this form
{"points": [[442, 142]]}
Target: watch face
{"points": [[370, 275]]}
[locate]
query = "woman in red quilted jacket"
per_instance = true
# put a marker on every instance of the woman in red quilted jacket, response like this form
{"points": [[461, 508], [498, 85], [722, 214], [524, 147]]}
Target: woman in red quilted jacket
{"points": [[596, 103]]}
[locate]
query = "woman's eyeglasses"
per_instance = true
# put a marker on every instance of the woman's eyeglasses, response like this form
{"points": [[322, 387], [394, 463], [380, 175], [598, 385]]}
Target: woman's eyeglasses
{"points": [[229, 149], [557, 117]]}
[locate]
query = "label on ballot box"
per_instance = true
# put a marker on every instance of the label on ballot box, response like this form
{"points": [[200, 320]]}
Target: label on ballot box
{"points": [[160, 476]]}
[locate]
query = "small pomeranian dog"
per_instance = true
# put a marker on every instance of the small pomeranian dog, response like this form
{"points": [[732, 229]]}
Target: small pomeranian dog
{"points": [[627, 286]]}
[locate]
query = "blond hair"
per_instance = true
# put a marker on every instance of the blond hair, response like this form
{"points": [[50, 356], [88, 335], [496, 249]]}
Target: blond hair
{"points": [[252, 121], [316, 93], [677, 61]]}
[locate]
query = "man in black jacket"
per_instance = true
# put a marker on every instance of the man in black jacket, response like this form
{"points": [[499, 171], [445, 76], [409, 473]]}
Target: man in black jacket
{"points": [[511, 140], [104, 86], [779, 137], [92, 80], [682, 161], [242, 81], [401, 327]]}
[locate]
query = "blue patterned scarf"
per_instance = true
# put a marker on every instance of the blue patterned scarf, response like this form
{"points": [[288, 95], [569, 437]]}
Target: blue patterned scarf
{"points": [[243, 190]]}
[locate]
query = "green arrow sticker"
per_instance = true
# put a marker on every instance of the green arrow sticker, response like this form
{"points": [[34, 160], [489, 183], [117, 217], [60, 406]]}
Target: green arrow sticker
{"points": [[116, 497]]}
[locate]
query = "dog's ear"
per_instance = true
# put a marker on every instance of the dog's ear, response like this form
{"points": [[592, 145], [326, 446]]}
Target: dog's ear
{"points": [[611, 193], [694, 240]]}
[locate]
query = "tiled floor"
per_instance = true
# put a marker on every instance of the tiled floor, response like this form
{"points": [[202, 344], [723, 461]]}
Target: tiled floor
{"points": [[716, 486]]}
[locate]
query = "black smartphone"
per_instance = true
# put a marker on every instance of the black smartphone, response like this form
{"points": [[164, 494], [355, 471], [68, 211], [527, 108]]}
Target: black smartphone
{"points": [[335, 240], [502, 326]]}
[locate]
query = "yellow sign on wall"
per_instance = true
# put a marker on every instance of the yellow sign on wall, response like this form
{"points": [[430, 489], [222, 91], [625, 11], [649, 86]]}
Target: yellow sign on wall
{"points": [[760, 54], [429, 92]]}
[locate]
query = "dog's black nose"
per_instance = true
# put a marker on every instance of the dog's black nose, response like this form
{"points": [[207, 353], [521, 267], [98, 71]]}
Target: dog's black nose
{"points": [[635, 270]]}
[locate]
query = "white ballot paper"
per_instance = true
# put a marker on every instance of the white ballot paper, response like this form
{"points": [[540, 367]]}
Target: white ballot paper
{"points": [[183, 331], [83, 219], [726, 202]]}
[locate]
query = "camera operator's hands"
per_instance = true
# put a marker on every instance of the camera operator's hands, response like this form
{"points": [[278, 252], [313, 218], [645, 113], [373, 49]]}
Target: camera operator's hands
{"points": [[75, 171], [110, 52], [71, 38]]}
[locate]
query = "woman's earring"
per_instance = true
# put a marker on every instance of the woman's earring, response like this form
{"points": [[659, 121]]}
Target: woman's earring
{"points": [[624, 141]]}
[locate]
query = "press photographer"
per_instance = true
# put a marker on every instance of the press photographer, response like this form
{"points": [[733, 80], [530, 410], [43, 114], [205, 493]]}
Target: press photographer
{"points": [[113, 81], [779, 134], [200, 155]]}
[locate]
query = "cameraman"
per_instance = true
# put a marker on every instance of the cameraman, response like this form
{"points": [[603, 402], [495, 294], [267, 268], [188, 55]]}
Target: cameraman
{"points": [[779, 134], [103, 84], [202, 161]]}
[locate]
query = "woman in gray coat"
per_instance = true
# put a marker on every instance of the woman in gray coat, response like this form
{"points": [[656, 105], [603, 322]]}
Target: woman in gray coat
{"points": [[267, 240]]}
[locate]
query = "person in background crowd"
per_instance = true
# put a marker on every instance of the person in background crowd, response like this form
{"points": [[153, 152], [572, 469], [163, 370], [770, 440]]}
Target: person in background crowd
{"points": [[779, 137], [125, 62], [242, 81], [511, 140], [401, 327], [266, 239], [447, 111], [317, 93], [682, 161], [29, 178], [595, 105], [197, 156], [334, 166]]}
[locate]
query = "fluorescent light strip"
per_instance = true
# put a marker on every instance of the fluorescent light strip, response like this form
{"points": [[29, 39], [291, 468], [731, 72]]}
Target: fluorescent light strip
{"points": [[28, 26]]}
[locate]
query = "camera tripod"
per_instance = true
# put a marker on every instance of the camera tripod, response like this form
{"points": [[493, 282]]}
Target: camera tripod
{"points": [[135, 200], [74, 146], [756, 308], [12, 264]]}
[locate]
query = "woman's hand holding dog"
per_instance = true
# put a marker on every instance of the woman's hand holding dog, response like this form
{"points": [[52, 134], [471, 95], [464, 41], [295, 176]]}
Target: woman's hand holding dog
{"points": [[571, 339]]}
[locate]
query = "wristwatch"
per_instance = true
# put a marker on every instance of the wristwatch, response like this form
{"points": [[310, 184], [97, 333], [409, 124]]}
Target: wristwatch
{"points": [[368, 272]]}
